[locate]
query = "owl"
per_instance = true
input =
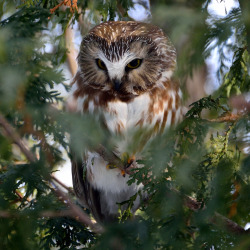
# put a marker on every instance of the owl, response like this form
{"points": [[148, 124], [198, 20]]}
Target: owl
{"points": [[124, 79]]}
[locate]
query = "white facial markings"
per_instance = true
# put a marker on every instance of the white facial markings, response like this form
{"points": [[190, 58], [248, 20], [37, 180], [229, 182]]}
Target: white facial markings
{"points": [[116, 69]]}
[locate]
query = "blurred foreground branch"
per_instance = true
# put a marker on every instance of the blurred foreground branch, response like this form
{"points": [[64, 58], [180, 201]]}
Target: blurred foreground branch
{"points": [[227, 118], [77, 213], [63, 185], [50, 214], [217, 219], [74, 210], [11, 134]]}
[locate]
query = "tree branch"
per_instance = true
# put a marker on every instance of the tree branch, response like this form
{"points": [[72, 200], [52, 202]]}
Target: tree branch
{"points": [[217, 219], [11, 134], [230, 225], [49, 214], [77, 211], [226, 118], [63, 185], [71, 53]]}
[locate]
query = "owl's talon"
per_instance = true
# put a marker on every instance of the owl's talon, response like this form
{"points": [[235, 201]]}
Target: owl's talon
{"points": [[130, 161], [128, 165], [123, 173]]}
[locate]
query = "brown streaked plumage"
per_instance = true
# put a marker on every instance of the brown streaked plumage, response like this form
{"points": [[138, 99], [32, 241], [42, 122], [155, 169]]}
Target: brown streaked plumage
{"points": [[124, 76]]}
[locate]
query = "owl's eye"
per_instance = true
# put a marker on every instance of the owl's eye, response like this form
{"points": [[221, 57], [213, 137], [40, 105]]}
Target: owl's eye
{"points": [[100, 64], [134, 64]]}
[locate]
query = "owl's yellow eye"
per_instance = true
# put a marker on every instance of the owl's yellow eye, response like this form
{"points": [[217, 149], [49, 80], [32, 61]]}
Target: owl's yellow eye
{"points": [[100, 64], [134, 64]]}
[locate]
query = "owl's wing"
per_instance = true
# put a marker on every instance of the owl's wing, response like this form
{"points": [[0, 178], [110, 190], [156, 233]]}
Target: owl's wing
{"points": [[88, 196]]}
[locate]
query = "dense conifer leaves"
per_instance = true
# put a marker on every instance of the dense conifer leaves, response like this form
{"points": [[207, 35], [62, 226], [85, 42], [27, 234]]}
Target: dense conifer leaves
{"points": [[196, 174]]}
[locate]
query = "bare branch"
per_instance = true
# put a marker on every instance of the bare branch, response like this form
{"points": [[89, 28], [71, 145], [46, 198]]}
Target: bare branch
{"points": [[217, 219], [11, 133], [5, 214], [71, 53], [77, 211], [50, 214], [227, 118], [230, 225], [192, 204], [63, 185], [240, 103]]}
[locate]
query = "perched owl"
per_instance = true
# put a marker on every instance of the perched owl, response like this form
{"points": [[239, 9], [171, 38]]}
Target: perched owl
{"points": [[124, 76]]}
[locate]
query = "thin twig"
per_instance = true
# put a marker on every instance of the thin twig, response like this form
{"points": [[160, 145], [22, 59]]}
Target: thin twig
{"points": [[20, 196], [217, 219], [49, 214], [63, 185], [226, 118], [192, 204], [230, 225], [79, 214], [11, 133], [54, 214], [75, 210], [5, 214]]}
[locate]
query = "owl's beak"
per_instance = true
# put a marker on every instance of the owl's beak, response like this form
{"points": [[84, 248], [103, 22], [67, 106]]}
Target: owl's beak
{"points": [[117, 84]]}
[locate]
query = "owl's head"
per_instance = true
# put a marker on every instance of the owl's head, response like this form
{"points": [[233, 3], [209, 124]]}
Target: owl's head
{"points": [[125, 59]]}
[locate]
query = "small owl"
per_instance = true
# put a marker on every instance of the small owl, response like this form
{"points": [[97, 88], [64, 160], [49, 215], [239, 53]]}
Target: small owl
{"points": [[124, 78]]}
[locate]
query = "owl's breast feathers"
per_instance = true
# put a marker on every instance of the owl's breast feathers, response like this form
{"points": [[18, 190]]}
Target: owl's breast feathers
{"points": [[156, 109]]}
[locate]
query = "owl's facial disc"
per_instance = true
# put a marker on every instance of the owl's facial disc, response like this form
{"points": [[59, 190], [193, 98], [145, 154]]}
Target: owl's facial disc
{"points": [[118, 69], [101, 65], [125, 59]]}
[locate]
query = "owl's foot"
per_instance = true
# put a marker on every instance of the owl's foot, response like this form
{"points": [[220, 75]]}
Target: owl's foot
{"points": [[131, 159], [127, 160], [123, 173], [110, 166], [128, 164]]}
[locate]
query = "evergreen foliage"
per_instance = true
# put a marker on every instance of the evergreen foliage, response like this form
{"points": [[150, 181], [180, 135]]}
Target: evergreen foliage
{"points": [[196, 175]]}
